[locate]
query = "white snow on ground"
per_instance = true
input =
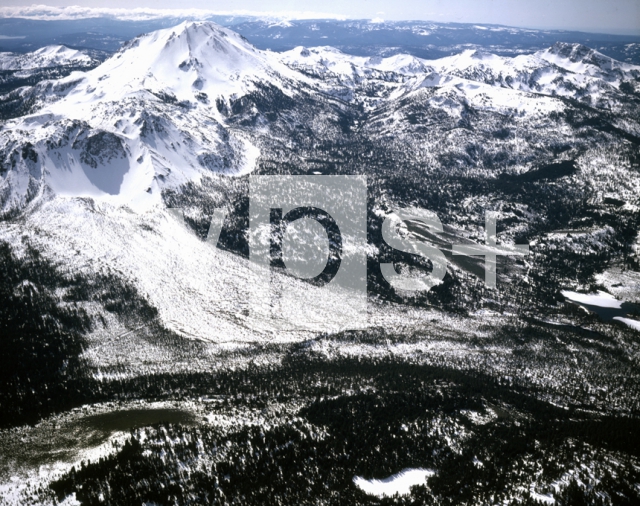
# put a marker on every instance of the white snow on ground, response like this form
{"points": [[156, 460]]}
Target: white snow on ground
{"points": [[600, 299], [480, 418], [48, 56], [184, 59], [583, 60], [487, 97], [326, 59], [502, 82], [634, 324], [547, 498], [121, 105], [201, 292], [400, 483], [622, 284], [546, 64], [45, 451], [70, 501], [120, 108], [16, 490]]}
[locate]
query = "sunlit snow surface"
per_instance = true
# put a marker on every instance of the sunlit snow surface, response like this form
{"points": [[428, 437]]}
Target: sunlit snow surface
{"points": [[120, 110], [200, 292], [400, 483], [600, 299], [606, 306], [48, 56], [156, 113], [634, 324], [528, 82]]}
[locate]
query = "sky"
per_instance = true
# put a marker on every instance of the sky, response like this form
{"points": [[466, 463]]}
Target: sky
{"points": [[608, 16]]}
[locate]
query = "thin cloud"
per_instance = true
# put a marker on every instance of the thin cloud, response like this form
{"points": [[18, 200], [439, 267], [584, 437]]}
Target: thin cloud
{"points": [[49, 13]]}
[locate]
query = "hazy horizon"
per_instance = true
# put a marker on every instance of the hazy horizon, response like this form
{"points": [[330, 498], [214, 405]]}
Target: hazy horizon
{"points": [[617, 17]]}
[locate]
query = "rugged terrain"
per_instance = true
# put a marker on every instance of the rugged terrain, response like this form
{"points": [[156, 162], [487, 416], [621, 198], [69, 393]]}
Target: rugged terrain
{"points": [[112, 307]]}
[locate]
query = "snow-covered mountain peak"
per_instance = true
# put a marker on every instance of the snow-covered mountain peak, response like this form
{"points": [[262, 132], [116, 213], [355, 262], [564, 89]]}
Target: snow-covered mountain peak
{"points": [[317, 50], [581, 59], [153, 115], [571, 52], [48, 56], [187, 40], [187, 61], [323, 59], [401, 63], [179, 102], [469, 58]]}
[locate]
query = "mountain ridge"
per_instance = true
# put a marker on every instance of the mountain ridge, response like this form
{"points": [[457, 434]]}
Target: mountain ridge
{"points": [[204, 74]]}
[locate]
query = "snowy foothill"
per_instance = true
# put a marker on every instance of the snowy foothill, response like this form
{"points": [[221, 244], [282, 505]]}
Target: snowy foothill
{"points": [[508, 81], [159, 115], [124, 131], [48, 56], [400, 483]]}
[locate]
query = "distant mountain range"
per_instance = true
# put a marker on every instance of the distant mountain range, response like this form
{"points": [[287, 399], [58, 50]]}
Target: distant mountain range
{"points": [[361, 37], [45, 57], [199, 97]]}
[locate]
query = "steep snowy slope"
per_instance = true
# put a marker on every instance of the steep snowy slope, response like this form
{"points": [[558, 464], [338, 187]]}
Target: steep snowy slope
{"points": [[170, 107], [581, 59], [557, 71], [365, 80], [186, 61], [196, 98], [151, 116], [201, 292]]}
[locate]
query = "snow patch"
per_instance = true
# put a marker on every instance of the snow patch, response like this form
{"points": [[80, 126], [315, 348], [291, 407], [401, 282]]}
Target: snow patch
{"points": [[400, 483], [600, 299], [634, 324]]}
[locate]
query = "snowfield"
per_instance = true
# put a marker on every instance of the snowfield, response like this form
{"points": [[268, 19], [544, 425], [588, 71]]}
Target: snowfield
{"points": [[92, 163], [634, 324], [109, 179]]}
